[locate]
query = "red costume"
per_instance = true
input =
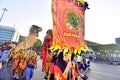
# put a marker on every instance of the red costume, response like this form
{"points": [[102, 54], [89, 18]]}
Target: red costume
{"points": [[45, 53], [60, 68], [44, 50], [59, 75]]}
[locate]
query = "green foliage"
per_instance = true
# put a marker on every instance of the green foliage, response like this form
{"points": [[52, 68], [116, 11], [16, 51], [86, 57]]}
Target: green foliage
{"points": [[37, 44], [106, 47]]}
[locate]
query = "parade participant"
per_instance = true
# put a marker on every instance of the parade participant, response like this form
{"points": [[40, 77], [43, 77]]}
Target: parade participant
{"points": [[19, 64], [31, 64], [45, 53], [84, 62], [22, 64], [16, 69], [75, 71], [83, 66], [47, 63], [62, 67], [4, 59], [51, 68], [78, 61], [10, 61], [81, 62]]}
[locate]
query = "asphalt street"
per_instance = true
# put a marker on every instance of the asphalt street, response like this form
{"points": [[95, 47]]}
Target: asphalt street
{"points": [[99, 71]]}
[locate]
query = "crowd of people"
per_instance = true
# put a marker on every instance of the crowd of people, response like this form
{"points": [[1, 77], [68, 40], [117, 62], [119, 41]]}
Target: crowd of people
{"points": [[23, 62], [56, 64], [63, 67], [4, 57]]}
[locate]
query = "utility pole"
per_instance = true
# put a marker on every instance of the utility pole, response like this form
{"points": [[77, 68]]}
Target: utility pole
{"points": [[4, 9]]}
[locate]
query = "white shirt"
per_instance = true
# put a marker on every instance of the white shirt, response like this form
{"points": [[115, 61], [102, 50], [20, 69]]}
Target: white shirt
{"points": [[78, 58]]}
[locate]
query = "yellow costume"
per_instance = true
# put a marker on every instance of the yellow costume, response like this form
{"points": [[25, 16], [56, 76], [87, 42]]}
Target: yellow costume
{"points": [[16, 68], [22, 64]]}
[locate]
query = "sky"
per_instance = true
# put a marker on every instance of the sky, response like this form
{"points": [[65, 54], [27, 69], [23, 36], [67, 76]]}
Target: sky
{"points": [[101, 20]]}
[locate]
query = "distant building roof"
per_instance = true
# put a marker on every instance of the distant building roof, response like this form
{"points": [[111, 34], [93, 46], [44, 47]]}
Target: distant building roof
{"points": [[7, 27]]}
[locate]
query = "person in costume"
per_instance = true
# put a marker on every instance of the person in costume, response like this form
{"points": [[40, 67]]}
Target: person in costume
{"points": [[31, 60], [75, 70], [45, 53], [22, 64], [16, 69], [14, 60], [10, 61], [52, 65], [62, 67]]}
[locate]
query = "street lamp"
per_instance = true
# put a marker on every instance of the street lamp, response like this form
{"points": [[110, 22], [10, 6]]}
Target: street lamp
{"points": [[4, 9]]}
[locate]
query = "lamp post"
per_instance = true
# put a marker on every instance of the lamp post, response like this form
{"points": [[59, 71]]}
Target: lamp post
{"points": [[4, 9]]}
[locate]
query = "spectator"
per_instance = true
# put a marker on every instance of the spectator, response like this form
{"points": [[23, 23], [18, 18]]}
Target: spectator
{"points": [[4, 59]]}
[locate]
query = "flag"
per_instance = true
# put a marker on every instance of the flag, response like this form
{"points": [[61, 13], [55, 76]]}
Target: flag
{"points": [[68, 24]]}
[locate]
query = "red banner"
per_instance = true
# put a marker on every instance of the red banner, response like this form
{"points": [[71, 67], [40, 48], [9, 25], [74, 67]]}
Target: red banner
{"points": [[68, 23]]}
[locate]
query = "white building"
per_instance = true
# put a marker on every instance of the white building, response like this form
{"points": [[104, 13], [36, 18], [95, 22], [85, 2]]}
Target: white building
{"points": [[8, 34]]}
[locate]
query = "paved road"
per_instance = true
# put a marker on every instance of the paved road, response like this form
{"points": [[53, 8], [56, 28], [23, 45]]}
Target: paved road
{"points": [[38, 75], [99, 71]]}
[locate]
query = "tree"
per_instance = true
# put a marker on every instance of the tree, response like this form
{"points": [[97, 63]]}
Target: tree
{"points": [[107, 47], [37, 44]]}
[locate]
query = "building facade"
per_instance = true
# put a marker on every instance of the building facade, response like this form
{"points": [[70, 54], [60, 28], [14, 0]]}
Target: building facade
{"points": [[8, 34]]}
